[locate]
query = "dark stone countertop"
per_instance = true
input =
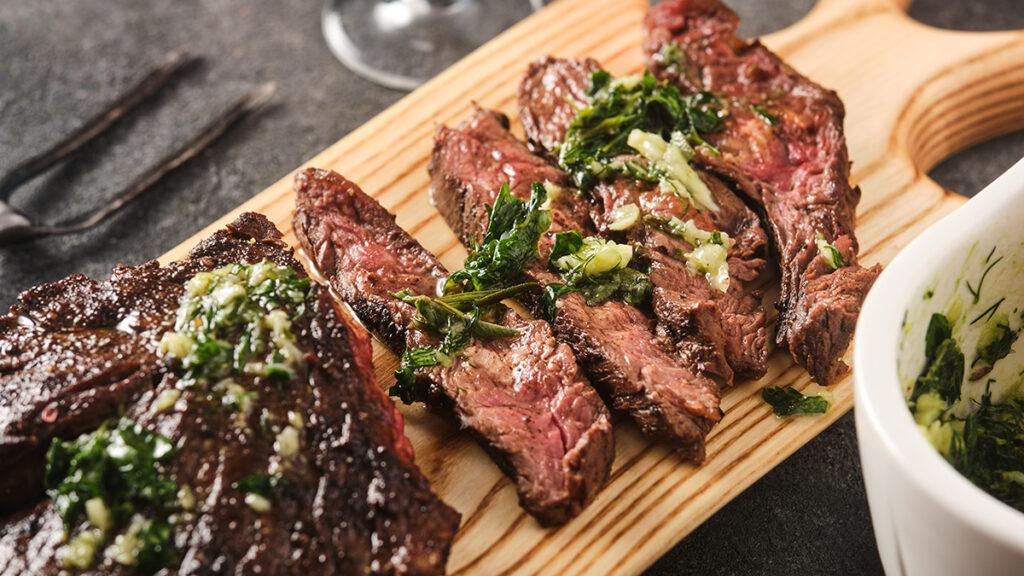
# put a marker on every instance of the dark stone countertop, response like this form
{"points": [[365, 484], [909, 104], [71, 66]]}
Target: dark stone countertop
{"points": [[61, 61]]}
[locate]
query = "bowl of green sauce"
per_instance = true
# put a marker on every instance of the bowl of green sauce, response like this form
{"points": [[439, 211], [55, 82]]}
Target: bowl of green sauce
{"points": [[939, 392]]}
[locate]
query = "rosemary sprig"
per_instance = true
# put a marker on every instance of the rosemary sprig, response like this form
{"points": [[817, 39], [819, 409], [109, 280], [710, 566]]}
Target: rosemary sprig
{"points": [[457, 318]]}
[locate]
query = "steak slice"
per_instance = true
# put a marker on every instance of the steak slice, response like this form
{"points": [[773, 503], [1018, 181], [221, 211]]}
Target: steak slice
{"points": [[631, 365], [524, 397], [550, 96], [783, 146], [352, 500]]}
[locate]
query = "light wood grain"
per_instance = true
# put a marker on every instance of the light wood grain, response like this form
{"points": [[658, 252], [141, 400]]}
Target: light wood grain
{"points": [[914, 95]]}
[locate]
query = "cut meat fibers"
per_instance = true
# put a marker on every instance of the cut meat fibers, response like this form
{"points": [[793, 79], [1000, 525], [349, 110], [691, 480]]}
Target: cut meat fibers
{"points": [[524, 397], [633, 366], [718, 333], [783, 146], [78, 352]]}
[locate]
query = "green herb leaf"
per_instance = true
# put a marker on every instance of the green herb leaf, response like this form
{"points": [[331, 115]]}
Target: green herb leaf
{"points": [[790, 402], [513, 231], [237, 319], [994, 344], [632, 286], [705, 114], [119, 462], [990, 451], [156, 548], [939, 330], [472, 295], [405, 387], [943, 374], [597, 269], [437, 315], [832, 256], [260, 484], [672, 57], [457, 318], [763, 113], [989, 265], [566, 244], [552, 292], [599, 80], [597, 136], [121, 465], [482, 298], [987, 446]]}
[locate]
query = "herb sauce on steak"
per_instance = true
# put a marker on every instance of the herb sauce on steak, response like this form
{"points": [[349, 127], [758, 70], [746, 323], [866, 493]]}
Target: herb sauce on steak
{"points": [[783, 146], [293, 469], [616, 343], [718, 333], [523, 396]]}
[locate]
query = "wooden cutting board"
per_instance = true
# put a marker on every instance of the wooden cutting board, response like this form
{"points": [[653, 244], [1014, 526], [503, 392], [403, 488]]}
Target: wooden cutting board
{"points": [[914, 95]]}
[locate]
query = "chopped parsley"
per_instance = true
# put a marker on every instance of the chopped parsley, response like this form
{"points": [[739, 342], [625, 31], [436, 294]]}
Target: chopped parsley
{"points": [[113, 481], [598, 134], [258, 489], [828, 251], [994, 344], [990, 449], [944, 362], [237, 320], [514, 227], [597, 269], [764, 114], [987, 445], [672, 58], [790, 402], [261, 484]]}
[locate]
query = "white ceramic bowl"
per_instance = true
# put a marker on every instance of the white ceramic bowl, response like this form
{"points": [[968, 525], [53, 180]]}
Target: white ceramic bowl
{"points": [[929, 520]]}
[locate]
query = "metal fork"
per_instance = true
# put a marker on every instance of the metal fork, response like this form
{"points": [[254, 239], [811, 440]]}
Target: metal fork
{"points": [[17, 227]]}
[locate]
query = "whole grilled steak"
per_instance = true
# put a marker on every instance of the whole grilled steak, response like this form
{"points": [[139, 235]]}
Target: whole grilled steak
{"points": [[616, 343], [294, 468], [783, 145], [523, 396], [719, 333]]}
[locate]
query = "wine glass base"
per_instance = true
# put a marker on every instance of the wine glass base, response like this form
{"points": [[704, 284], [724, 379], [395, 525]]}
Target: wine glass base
{"points": [[402, 43]]}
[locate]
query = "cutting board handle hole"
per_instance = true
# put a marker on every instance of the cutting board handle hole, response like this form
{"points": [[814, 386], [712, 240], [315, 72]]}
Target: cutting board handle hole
{"points": [[972, 15], [970, 170]]}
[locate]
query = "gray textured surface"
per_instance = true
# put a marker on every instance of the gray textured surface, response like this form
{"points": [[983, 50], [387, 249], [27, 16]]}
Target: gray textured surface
{"points": [[61, 60]]}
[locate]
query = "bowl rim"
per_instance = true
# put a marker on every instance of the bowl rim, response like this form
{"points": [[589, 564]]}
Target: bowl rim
{"points": [[880, 400]]}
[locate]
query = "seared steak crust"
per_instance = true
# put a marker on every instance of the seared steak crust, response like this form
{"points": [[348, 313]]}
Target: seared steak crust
{"points": [[783, 146], [631, 365], [523, 397], [345, 234], [550, 95], [720, 334], [354, 502]]}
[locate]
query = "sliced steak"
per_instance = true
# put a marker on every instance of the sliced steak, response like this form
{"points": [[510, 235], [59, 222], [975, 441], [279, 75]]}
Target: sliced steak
{"points": [[615, 343], [353, 501], [550, 96], [783, 146], [524, 397]]}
